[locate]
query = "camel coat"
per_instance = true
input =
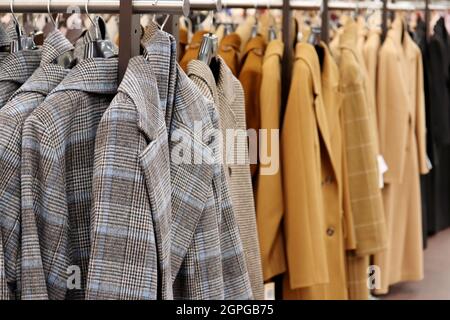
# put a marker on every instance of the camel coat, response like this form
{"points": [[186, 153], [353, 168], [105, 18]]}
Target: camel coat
{"points": [[229, 50], [250, 78], [401, 116], [191, 51], [312, 173], [269, 189]]}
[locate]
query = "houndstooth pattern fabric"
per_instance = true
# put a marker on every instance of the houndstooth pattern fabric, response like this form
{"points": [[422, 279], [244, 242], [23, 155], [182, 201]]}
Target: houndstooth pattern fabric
{"points": [[57, 167], [207, 256], [130, 254], [12, 117], [229, 101]]}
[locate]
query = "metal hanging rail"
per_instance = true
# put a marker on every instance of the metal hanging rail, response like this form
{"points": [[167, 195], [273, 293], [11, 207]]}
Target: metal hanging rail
{"points": [[178, 7]]}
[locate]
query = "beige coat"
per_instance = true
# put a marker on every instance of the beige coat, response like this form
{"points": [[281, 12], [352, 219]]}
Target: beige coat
{"points": [[370, 51], [401, 116], [228, 96], [269, 189]]}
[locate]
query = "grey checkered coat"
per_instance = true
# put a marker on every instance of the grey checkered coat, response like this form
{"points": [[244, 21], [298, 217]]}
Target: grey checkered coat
{"points": [[5, 41], [12, 118], [171, 232], [57, 167], [228, 96], [16, 68]]}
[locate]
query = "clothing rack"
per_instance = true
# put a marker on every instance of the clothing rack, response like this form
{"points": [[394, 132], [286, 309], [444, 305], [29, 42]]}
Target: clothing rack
{"points": [[130, 31]]}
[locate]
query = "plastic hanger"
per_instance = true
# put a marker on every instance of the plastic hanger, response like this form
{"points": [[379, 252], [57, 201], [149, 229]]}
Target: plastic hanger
{"points": [[208, 53], [67, 60], [103, 48], [316, 31], [272, 31], [23, 42]]}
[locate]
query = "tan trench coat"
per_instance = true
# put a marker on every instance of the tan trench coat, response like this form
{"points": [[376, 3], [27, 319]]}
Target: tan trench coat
{"points": [[312, 175], [401, 116]]}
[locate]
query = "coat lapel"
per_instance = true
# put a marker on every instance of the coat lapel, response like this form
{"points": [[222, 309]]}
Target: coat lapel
{"points": [[191, 159], [309, 55], [140, 85]]}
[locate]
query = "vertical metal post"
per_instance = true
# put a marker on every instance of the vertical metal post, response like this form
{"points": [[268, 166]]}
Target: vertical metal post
{"points": [[288, 52], [427, 19], [129, 35], [172, 27], [384, 16], [325, 23]]}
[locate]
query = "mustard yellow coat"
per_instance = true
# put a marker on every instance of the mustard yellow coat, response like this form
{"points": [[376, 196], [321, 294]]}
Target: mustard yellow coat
{"points": [[401, 117], [269, 189], [191, 51], [229, 50], [250, 77]]}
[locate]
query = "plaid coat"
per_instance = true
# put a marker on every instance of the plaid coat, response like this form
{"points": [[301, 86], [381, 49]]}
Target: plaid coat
{"points": [[57, 166], [12, 118], [181, 206], [16, 68], [229, 101], [5, 41]]}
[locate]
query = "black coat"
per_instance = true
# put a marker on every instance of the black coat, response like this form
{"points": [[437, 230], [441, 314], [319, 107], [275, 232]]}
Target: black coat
{"points": [[437, 86]]}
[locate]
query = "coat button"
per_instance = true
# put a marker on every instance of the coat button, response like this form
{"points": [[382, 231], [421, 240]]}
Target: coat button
{"points": [[330, 231]]}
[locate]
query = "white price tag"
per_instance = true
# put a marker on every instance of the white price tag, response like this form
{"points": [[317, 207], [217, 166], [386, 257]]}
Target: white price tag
{"points": [[382, 169], [269, 291]]}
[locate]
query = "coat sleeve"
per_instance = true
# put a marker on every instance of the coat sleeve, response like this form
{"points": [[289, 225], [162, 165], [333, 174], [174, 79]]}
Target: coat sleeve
{"points": [[304, 215], [45, 219], [421, 130]]}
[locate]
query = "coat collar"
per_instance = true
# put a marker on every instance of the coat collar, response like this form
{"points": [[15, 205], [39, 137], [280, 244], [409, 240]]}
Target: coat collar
{"points": [[203, 73], [349, 37], [48, 76], [19, 66], [257, 45], [407, 48], [140, 84], [44, 80], [231, 41], [440, 30], [54, 46], [160, 50], [308, 54], [4, 37], [330, 71], [274, 48], [93, 75]]}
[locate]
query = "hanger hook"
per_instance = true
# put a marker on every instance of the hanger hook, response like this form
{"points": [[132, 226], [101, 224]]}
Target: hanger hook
{"points": [[16, 21], [86, 4], [54, 22]]}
